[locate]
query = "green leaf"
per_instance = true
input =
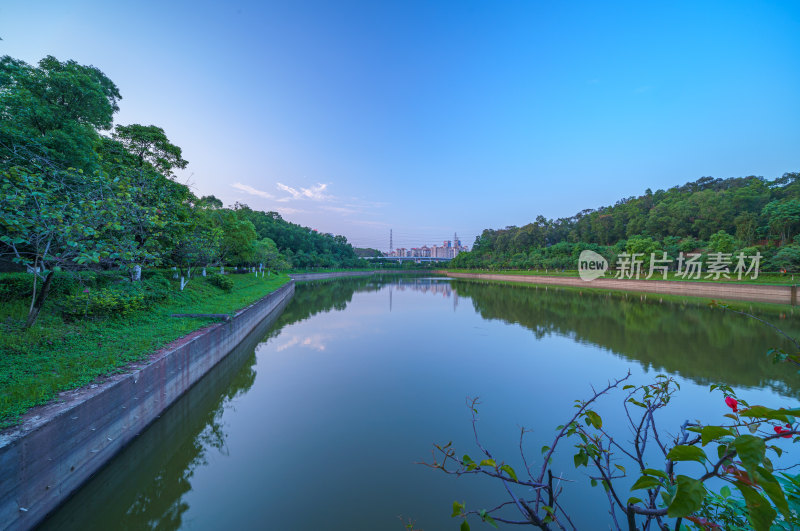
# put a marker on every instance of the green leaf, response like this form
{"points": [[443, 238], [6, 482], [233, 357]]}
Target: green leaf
{"points": [[684, 452], [688, 498], [760, 512], [655, 472], [712, 433], [458, 509], [725, 491], [510, 471], [751, 451], [487, 518], [773, 490], [633, 500], [646, 482], [464, 526], [581, 458], [594, 419], [762, 412], [488, 462]]}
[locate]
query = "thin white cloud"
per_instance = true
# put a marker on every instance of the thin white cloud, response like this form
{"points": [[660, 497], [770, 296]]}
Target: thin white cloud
{"points": [[314, 193], [252, 191]]}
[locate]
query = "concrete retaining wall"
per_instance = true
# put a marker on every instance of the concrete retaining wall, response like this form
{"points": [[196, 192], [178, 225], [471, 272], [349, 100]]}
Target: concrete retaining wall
{"points": [[60, 445], [709, 290]]}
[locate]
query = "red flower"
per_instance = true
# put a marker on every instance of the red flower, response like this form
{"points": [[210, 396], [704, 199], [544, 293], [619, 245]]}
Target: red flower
{"points": [[732, 403], [780, 430]]}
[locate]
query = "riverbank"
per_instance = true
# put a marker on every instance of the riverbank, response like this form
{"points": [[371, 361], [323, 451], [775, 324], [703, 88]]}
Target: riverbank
{"points": [[54, 448], [785, 279], [57, 447], [775, 294], [59, 353]]}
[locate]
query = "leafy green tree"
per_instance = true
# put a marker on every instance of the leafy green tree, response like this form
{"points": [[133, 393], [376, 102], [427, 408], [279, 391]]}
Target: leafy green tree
{"points": [[746, 227], [62, 220], [722, 242], [787, 258], [150, 145], [50, 113], [783, 218]]}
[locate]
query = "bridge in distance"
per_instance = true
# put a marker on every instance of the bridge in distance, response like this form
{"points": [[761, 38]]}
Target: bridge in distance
{"points": [[416, 259]]}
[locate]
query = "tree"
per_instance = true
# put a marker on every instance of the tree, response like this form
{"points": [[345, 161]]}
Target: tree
{"points": [[746, 226], [150, 145], [61, 220], [722, 242], [50, 114], [783, 217]]}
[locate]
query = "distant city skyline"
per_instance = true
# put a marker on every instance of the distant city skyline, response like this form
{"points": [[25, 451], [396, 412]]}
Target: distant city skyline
{"points": [[448, 249], [434, 117]]}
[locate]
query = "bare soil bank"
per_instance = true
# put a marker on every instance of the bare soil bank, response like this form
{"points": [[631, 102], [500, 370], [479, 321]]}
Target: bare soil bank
{"points": [[708, 290]]}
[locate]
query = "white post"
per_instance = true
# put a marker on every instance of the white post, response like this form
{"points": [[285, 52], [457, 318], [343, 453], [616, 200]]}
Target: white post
{"points": [[137, 273], [204, 271]]}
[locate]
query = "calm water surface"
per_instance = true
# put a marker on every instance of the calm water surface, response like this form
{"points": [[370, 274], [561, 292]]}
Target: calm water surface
{"points": [[317, 420]]}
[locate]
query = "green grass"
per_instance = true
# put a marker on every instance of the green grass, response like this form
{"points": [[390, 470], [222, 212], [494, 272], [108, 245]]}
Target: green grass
{"points": [[55, 355], [763, 278]]}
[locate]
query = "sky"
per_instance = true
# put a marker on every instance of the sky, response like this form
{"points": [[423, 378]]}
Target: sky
{"points": [[434, 118]]}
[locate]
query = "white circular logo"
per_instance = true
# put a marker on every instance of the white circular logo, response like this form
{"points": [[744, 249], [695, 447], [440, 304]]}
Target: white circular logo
{"points": [[591, 265]]}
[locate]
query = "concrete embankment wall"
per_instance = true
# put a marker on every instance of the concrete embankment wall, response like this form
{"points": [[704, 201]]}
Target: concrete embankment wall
{"points": [[60, 445], [709, 290]]}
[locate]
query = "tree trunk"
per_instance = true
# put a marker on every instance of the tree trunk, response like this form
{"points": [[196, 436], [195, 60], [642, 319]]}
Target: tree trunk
{"points": [[39, 302]]}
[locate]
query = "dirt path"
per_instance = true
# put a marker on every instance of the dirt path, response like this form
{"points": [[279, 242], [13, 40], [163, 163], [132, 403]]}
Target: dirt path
{"points": [[709, 290]]}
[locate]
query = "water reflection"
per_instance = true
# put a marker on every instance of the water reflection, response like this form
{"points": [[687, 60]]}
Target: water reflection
{"points": [[144, 487], [349, 388], [685, 337]]}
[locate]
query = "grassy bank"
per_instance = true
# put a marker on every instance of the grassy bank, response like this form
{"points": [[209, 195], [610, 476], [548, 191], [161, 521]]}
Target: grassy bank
{"points": [[763, 278], [59, 353]]}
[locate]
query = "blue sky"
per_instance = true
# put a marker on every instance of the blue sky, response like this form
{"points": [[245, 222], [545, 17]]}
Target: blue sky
{"points": [[439, 117]]}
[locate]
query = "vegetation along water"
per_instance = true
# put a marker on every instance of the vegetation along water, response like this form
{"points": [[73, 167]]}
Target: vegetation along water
{"points": [[322, 420]]}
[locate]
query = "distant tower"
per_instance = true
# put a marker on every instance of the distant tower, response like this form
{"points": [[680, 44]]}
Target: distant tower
{"points": [[391, 245]]}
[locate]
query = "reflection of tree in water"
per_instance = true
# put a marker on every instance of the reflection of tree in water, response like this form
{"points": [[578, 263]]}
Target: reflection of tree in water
{"points": [[160, 505], [144, 487], [704, 344]]}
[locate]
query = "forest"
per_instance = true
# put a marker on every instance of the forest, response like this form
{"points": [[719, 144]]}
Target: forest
{"points": [[742, 214], [78, 192]]}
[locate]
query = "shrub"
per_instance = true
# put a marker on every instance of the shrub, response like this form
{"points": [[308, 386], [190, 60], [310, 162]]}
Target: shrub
{"points": [[14, 286], [220, 281], [156, 288], [119, 299]]}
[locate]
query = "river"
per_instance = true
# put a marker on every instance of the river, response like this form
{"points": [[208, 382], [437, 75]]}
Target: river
{"points": [[318, 420]]}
